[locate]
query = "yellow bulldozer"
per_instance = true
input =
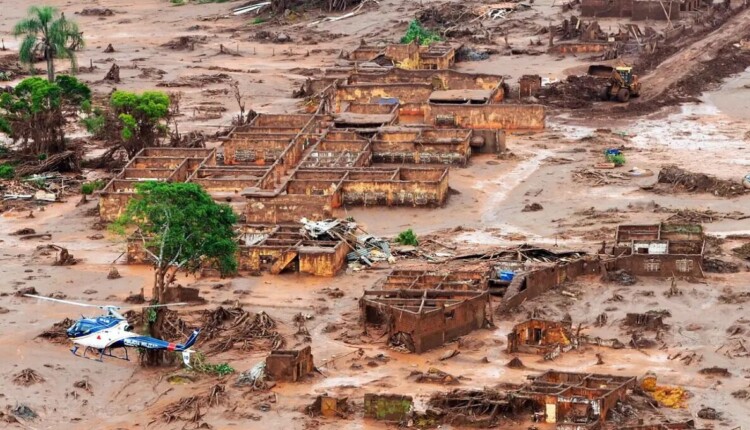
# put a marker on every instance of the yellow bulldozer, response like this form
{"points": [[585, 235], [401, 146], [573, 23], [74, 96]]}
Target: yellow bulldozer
{"points": [[621, 83]]}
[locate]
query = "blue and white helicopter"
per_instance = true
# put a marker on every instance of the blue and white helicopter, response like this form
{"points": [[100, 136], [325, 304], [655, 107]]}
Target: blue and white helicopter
{"points": [[107, 332]]}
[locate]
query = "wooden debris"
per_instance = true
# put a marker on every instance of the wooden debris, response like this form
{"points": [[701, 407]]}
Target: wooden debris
{"points": [[27, 377]]}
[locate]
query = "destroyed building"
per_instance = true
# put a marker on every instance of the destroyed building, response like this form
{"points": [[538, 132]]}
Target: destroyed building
{"points": [[420, 320], [536, 336], [290, 366], [319, 248], [411, 55], [660, 249], [551, 338], [576, 401], [571, 401]]}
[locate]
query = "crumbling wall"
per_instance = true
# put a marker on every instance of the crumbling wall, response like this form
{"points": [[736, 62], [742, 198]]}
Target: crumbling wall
{"points": [[662, 265], [552, 334], [370, 93], [113, 204], [537, 282], [607, 8], [323, 261], [405, 192], [579, 47], [403, 52], [490, 116], [284, 208], [654, 9], [290, 365], [435, 328]]}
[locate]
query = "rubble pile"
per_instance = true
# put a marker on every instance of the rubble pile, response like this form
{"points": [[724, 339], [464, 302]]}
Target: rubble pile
{"points": [[229, 328], [192, 409], [682, 180], [366, 248], [57, 333], [27, 377], [575, 92]]}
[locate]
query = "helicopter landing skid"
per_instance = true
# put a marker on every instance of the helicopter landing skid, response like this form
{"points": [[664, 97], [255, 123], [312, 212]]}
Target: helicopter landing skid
{"points": [[104, 352]]}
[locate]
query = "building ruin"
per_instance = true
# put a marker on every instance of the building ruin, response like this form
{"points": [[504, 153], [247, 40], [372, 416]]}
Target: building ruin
{"points": [[420, 320]]}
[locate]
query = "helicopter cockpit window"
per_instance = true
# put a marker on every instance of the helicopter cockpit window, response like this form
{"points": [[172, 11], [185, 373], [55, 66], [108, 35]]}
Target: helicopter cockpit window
{"points": [[82, 328]]}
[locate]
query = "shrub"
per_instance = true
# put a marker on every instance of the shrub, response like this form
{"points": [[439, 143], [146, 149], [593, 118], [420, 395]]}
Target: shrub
{"points": [[7, 171], [421, 35], [618, 159], [407, 237], [88, 188]]}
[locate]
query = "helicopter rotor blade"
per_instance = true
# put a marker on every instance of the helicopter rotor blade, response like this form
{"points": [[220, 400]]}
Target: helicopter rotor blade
{"points": [[155, 306], [67, 302]]}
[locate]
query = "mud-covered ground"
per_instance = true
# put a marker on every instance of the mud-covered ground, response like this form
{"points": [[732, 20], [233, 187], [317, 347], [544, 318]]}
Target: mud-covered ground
{"points": [[551, 168]]}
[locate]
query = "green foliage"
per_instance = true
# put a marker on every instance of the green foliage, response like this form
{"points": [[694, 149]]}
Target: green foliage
{"points": [[407, 237], [49, 34], [95, 122], [199, 364], [151, 315], [88, 188], [618, 159], [74, 90], [186, 226], [140, 115], [4, 125], [35, 112], [421, 35], [7, 171]]}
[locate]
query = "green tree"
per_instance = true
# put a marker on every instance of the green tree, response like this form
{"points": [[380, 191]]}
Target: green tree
{"points": [[183, 229], [35, 112], [49, 35], [142, 118]]}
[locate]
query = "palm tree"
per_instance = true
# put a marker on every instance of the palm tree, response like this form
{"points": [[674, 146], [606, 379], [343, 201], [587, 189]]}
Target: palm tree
{"points": [[51, 36]]}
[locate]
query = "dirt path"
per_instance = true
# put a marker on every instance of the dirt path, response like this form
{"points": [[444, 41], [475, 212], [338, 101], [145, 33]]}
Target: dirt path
{"points": [[680, 65]]}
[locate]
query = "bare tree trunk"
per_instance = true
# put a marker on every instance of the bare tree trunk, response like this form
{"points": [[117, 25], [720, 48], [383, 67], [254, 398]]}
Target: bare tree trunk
{"points": [[50, 64], [155, 325]]}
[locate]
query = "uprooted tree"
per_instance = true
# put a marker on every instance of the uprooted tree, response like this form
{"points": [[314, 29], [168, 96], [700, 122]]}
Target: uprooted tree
{"points": [[35, 112], [183, 229]]}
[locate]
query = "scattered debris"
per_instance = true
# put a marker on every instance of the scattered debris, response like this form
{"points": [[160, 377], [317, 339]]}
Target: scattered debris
{"points": [[84, 385], [716, 371], [27, 377], [196, 81], [115, 274], [193, 408], [621, 277], [433, 376], [58, 332], [255, 378], [96, 11], [113, 75], [327, 406], [683, 180], [183, 43], [707, 413], [26, 290]]}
